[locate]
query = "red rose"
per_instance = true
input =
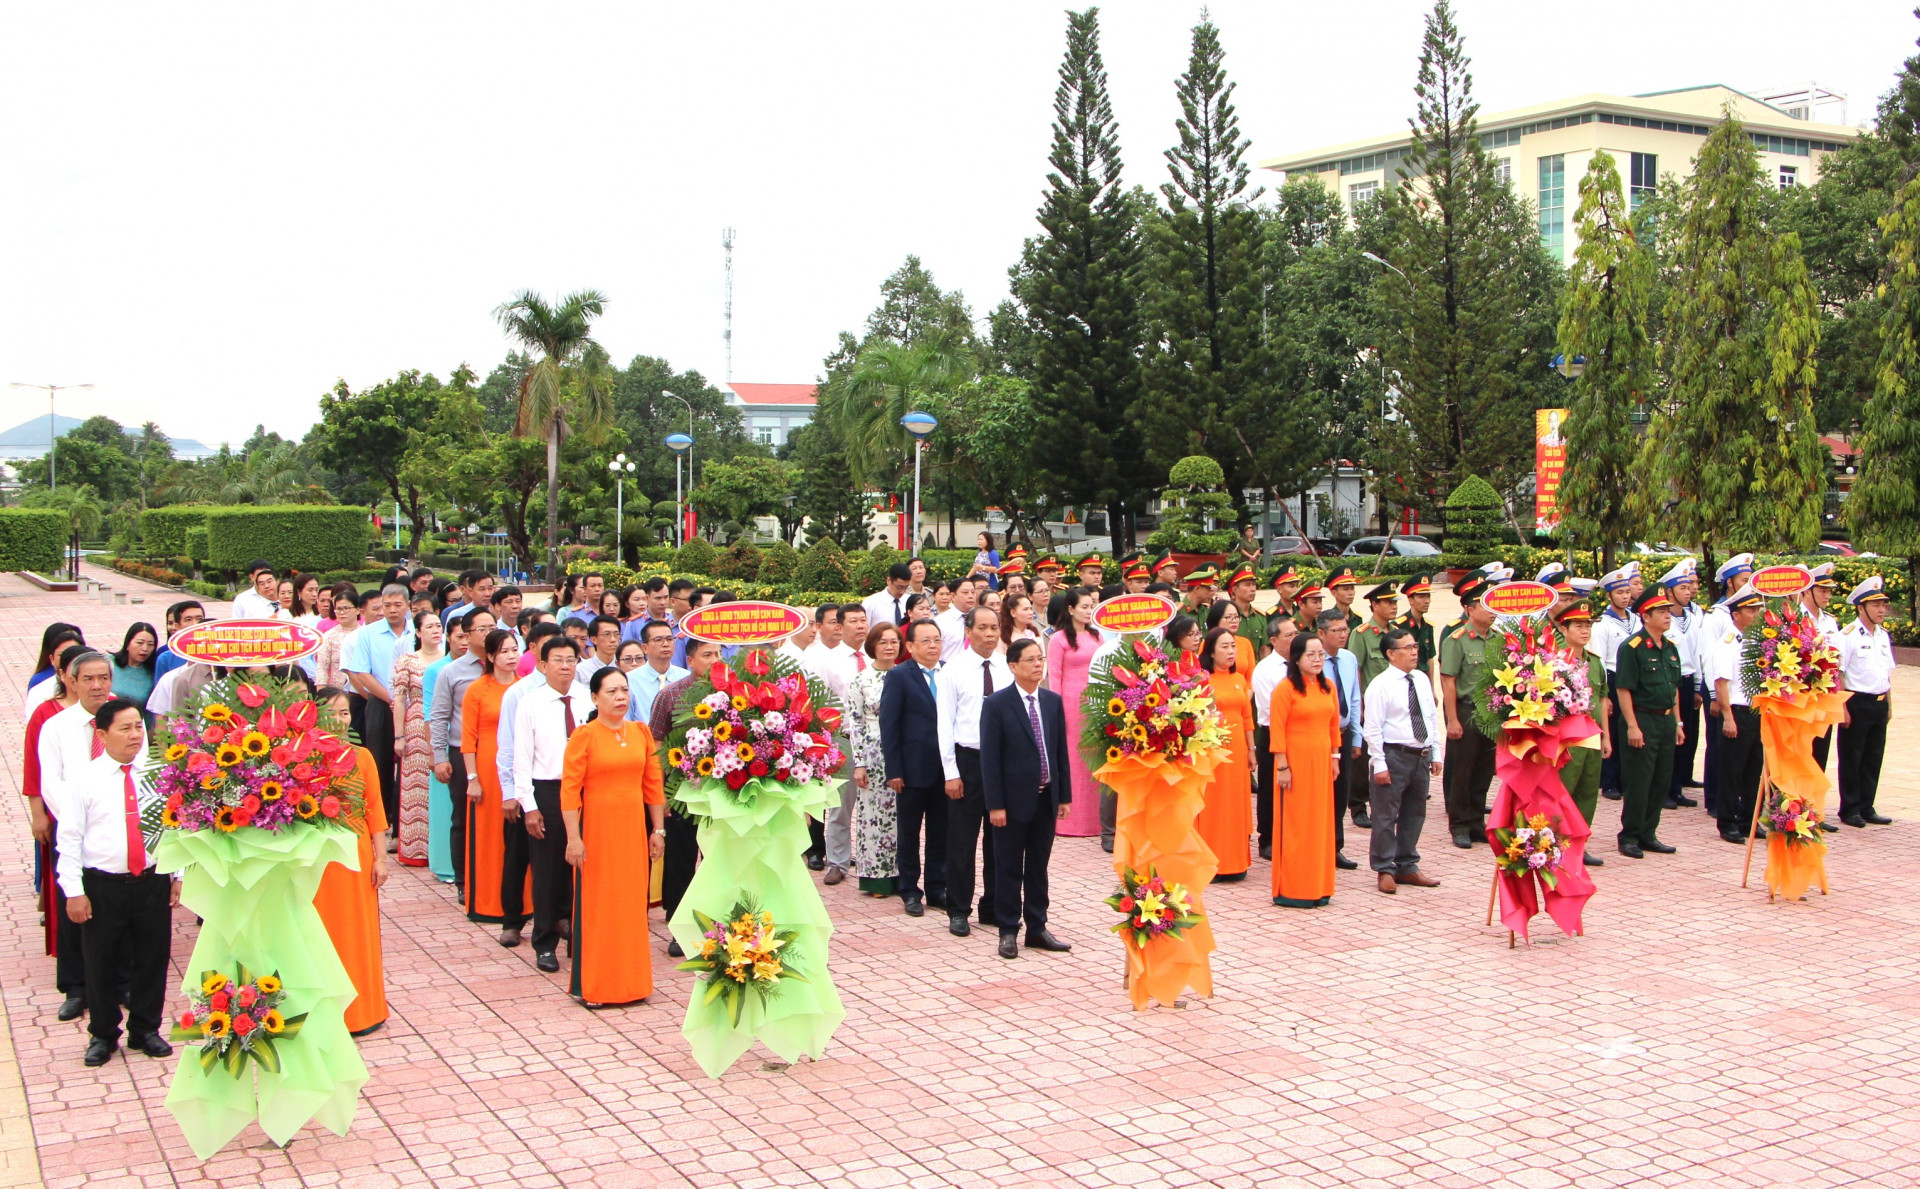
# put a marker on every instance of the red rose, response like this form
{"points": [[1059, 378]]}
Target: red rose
{"points": [[247, 994], [212, 736], [1187, 726], [758, 768], [303, 772], [187, 1020], [242, 817], [1126, 904], [250, 803], [220, 1001], [330, 807], [242, 1025], [281, 756], [174, 802], [736, 778], [1113, 730]]}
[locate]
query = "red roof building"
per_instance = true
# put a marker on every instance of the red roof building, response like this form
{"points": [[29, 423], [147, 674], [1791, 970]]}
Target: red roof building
{"points": [[772, 411]]}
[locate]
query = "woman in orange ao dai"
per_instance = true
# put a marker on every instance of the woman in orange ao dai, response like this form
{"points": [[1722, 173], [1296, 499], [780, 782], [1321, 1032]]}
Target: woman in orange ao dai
{"points": [[349, 901], [479, 743], [1304, 735], [1226, 821]]}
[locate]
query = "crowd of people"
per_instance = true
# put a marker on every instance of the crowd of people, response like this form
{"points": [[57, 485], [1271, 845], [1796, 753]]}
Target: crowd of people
{"points": [[511, 744]]}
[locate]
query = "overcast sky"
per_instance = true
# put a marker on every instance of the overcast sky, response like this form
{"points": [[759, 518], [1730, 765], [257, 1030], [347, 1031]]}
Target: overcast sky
{"points": [[214, 212]]}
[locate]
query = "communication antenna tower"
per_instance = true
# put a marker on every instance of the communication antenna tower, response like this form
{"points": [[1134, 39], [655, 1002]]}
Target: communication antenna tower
{"points": [[726, 241]]}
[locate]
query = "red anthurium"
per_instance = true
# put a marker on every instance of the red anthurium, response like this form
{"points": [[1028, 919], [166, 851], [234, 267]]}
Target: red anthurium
{"points": [[830, 718], [237, 726], [1125, 677], [757, 663], [720, 675], [1144, 650], [342, 761], [302, 715], [251, 695], [801, 712], [273, 723]]}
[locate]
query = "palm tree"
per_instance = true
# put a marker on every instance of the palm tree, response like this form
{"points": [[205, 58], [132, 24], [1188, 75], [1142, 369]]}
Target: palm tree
{"points": [[888, 381], [553, 402]]}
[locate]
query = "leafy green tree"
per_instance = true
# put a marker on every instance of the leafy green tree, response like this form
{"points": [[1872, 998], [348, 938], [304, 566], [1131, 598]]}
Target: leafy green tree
{"points": [[1604, 321], [1735, 447], [825, 493], [566, 387], [641, 409], [1473, 304], [376, 431], [86, 462], [102, 430], [1884, 507], [745, 487], [1002, 439]]}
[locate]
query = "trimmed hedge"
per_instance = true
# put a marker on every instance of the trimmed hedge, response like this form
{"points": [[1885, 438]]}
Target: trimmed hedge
{"points": [[33, 538], [301, 536], [164, 530], [197, 542]]}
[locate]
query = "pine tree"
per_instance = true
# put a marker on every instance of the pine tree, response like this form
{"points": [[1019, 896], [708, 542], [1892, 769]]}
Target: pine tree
{"points": [[1474, 304], [1605, 322], [1077, 284], [1735, 449], [1211, 375], [1884, 507]]}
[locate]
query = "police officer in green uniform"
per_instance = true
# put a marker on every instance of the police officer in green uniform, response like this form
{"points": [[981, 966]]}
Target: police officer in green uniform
{"points": [[1646, 680], [1469, 770]]}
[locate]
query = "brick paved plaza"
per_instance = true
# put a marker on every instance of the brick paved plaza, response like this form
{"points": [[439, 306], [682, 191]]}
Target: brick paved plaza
{"points": [[1698, 1036]]}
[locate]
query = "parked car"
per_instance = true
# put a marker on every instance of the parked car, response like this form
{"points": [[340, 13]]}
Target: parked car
{"points": [[1401, 547], [1837, 549], [1297, 547]]}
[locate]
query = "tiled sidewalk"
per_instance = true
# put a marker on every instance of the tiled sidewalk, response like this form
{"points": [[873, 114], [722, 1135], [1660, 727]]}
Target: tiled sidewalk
{"points": [[1698, 1036]]}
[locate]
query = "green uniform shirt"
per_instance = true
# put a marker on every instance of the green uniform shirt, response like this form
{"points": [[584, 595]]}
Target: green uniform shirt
{"points": [[1462, 656], [1650, 674], [1253, 626], [1422, 635], [1368, 644], [1355, 620]]}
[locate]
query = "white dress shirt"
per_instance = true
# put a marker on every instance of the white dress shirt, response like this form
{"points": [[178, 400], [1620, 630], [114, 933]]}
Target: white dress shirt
{"points": [[823, 662], [93, 830], [884, 608], [66, 748], [1267, 676], [250, 604], [1387, 717], [960, 692], [1726, 666], [1610, 631], [540, 737], [1866, 661], [1688, 640], [509, 706], [953, 632]]}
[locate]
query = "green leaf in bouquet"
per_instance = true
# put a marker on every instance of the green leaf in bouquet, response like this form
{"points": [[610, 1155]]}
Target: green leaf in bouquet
{"points": [[236, 1058], [292, 1027], [209, 1057], [716, 987], [266, 1054]]}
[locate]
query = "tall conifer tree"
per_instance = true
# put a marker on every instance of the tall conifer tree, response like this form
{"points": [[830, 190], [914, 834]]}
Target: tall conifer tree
{"points": [[1734, 455], [1884, 507], [1605, 322]]}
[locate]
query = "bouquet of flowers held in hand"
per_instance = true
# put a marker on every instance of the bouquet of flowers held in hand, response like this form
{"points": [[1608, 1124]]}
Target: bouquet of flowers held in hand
{"points": [[746, 952], [1795, 819], [1139, 702], [1529, 680], [773, 722], [1785, 655], [239, 754], [231, 1020], [1150, 907], [1531, 847]]}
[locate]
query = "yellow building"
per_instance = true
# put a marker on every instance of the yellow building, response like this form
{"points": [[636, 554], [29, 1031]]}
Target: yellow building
{"points": [[1543, 150]]}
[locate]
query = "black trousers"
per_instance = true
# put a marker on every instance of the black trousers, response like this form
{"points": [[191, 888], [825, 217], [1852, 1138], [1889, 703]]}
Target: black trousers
{"points": [[457, 832], [1741, 759], [967, 828], [552, 876], [377, 736], [926, 804], [1353, 774], [677, 863], [132, 932], [1683, 752], [1263, 788], [1469, 773], [1021, 851], [816, 838], [1711, 727], [1822, 748], [1862, 746], [69, 951], [516, 855], [1616, 729]]}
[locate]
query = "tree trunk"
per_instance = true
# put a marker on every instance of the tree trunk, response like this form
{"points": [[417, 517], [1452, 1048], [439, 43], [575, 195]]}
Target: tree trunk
{"points": [[553, 502]]}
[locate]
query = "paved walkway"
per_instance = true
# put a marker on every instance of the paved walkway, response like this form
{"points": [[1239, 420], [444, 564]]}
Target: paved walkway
{"points": [[1697, 1036]]}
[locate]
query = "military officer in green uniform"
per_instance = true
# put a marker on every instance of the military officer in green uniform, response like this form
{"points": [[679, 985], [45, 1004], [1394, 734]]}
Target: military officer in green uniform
{"points": [[1253, 625], [1469, 769], [1307, 609], [1646, 680], [1581, 775], [1343, 585], [1368, 641], [1419, 592]]}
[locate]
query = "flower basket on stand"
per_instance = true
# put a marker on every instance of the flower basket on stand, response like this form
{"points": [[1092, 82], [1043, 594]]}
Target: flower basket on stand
{"points": [[257, 795], [1154, 736]]}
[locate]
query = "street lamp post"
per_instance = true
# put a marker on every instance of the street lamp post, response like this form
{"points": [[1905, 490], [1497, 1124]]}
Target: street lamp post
{"points": [[683, 400], [621, 468], [682, 445], [53, 436], [919, 425]]}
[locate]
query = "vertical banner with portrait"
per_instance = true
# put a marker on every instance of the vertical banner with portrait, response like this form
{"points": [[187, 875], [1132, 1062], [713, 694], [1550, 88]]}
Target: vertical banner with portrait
{"points": [[1549, 460]]}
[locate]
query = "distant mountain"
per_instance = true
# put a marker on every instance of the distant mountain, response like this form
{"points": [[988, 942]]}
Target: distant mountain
{"points": [[29, 439]]}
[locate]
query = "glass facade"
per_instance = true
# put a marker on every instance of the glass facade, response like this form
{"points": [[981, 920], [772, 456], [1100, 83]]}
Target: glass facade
{"points": [[1553, 205], [1643, 178]]}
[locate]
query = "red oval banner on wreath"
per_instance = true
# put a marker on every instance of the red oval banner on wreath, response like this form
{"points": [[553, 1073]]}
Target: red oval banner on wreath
{"points": [[1782, 582], [1134, 613], [743, 621], [245, 642], [1519, 598]]}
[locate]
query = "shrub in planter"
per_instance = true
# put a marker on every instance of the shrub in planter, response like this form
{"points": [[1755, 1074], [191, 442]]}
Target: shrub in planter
{"points": [[741, 561], [870, 568], [777, 561], [696, 556], [297, 536], [824, 566], [1473, 523], [1191, 498]]}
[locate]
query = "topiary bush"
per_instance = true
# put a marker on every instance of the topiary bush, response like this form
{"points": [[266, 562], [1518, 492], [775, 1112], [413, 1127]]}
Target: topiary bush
{"points": [[740, 561], [870, 567], [777, 562], [1191, 498], [164, 530], [1473, 522], [824, 566], [33, 538], [197, 542], [301, 536], [696, 556]]}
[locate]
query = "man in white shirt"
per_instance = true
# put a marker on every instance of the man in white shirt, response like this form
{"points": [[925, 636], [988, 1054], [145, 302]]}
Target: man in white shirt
{"points": [[1611, 630], [1400, 717], [1267, 676], [1866, 667], [966, 680], [1737, 784], [953, 621], [656, 673], [851, 650], [67, 745], [889, 603], [841, 664], [1816, 600], [1689, 637], [603, 637], [821, 658], [544, 720], [263, 601], [121, 906], [515, 860], [367, 661]]}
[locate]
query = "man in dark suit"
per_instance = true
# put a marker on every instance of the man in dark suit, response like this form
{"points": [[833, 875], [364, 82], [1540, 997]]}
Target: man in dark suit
{"points": [[910, 741], [1023, 768]]}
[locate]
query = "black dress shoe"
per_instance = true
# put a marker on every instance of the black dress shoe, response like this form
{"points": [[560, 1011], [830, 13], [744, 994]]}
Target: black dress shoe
{"points": [[1828, 826], [1593, 860], [1855, 820], [1682, 801], [1878, 819], [674, 950], [936, 899], [1632, 850], [1106, 844], [1362, 820], [152, 1044], [548, 962], [913, 905], [1732, 835], [1009, 945], [72, 1008], [1610, 794], [816, 862], [99, 1051], [1344, 863], [1266, 852], [1463, 840], [1044, 940], [1657, 847], [958, 926]]}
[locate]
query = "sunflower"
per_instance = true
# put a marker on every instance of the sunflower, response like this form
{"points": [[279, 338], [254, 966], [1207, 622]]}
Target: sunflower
{"points": [[270, 790], [269, 984], [228, 755], [273, 1022], [1152, 700], [306, 807], [176, 753], [223, 819], [219, 1023], [1116, 707], [702, 710], [744, 751], [255, 744], [1113, 753], [213, 983], [169, 818], [676, 757], [1140, 733], [211, 781], [705, 767], [723, 731], [739, 701], [215, 712]]}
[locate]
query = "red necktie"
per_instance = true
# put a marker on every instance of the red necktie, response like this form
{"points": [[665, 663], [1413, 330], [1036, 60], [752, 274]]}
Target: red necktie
{"points": [[98, 747], [859, 662], [566, 701], [136, 841]]}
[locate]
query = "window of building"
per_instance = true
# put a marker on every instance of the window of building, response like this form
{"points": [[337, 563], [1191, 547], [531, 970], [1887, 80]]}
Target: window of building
{"points": [[1785, 145], [1643, 178], [1361, 192], [1501, 139], [1503, 169], [766, 430], [1789, 177], [1553, 204]]}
